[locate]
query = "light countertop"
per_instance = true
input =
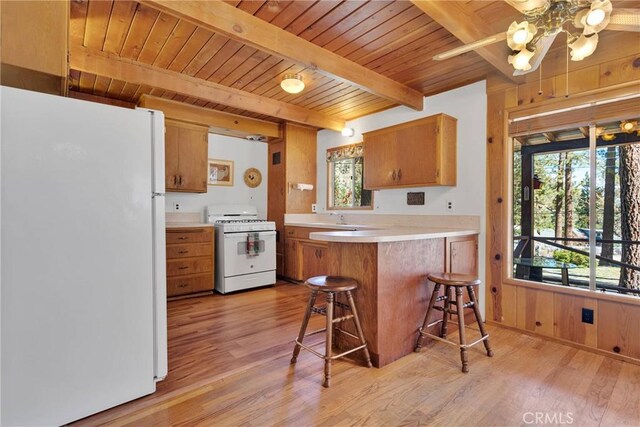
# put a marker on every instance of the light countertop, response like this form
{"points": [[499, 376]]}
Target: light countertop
{"points": [[187, 224], [391, 234], [348, 227]]}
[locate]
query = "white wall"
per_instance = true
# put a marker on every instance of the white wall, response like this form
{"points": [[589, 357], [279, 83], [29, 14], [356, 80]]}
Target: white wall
{"points": [[245, 154], [469, 105]]}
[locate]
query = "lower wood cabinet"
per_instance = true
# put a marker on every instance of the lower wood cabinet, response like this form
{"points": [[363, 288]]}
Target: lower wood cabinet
{"points": [[304, 258], [190, 260]]}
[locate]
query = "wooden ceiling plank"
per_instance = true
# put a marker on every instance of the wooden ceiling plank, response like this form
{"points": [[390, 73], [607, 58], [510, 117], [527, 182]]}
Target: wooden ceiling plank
{"points": [[205, 54], [462, 22], [159, 36], [129, 91], [261, 35], [236, 77], [230, 49], [233, 63], [407, 33], [257, 76], [345, 22], [190, 49], [98, 14], [412, 52], [311, 15], [290, 13], [176, 40], [115, 88], [101, 85], [141, 26], [77, 21], [123, 69], [365, 110], [386, 17], [86, 82], [250, 6], [418, 73], [350, 9], [121, 17]]}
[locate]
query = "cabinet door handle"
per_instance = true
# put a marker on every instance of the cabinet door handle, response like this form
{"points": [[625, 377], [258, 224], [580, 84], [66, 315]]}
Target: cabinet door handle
{"points": [[182, 268], [183, 252], [399, 174], [183, 285], [175, 180], [393, 175], [180, 179], [182, 238]]}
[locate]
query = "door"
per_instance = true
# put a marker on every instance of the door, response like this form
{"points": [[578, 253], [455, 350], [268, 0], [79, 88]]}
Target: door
{"points": [[193, 154], [242, 258], [171, 169], [417, 154], [380, 168], [313, 260], [77, 307]]}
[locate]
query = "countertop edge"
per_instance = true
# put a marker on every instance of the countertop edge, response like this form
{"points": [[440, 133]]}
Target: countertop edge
{"points": [[394, 235]]}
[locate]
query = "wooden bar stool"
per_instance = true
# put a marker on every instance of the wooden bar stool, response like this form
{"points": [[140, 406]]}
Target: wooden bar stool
{"points": [[331, 285], [458, 282]]}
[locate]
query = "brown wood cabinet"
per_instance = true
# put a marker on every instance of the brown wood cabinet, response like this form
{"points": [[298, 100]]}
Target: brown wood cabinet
{"points": [[190, 260], [292, 160], [303, 257], [186, 153], [413, 154]]}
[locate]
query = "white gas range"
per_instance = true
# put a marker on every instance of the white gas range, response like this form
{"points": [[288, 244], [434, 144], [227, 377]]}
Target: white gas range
{"points": [[245, 248]]}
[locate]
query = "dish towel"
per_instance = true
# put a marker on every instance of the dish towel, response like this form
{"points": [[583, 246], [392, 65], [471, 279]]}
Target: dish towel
{"points": [[253, 244]]}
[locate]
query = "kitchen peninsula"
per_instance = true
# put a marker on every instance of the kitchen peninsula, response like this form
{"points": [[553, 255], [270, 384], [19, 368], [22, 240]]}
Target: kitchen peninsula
{"points": [[392, 265]]}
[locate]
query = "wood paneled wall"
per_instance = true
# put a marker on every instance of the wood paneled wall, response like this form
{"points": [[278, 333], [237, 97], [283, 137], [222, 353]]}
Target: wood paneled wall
{"points": [[35, 45], [548, 310]]}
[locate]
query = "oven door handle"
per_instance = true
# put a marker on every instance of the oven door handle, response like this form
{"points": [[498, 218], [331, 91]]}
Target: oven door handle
{"points": [[243, 235]]}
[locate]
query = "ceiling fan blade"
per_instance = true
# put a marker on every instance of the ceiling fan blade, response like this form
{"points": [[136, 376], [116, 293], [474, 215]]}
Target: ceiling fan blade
{"points": [[624, 20], [541, 49], [471, 46]]}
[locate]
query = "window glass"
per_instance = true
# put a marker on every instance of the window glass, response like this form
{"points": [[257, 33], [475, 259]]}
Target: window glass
{"points": [[346, 177]]}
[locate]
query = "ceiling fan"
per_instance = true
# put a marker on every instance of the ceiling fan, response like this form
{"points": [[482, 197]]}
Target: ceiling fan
{"points": [[543, 20]]}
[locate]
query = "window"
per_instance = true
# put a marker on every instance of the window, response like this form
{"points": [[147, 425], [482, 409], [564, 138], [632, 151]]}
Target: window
{"points": [[345, 178], [576, 207]]}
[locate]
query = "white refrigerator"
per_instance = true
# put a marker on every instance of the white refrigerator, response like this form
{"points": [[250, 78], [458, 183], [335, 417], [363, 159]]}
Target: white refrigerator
{"points": [[82, 257]]}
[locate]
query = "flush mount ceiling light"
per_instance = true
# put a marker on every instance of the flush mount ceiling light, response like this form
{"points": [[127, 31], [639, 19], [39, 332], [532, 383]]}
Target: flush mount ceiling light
{"points": [[348, 132], [292, 83]]}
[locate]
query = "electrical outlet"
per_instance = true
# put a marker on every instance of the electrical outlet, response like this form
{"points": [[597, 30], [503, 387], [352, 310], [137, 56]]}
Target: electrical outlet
{"points": [[176, 207], [587, 315], [449, 206], [314, 208]]}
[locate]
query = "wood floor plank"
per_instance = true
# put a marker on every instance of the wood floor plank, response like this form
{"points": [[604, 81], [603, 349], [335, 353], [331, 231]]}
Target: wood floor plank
{"points": [[229, 365]]}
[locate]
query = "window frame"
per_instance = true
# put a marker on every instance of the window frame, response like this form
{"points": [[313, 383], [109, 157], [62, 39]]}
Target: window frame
{"points": [[579, 111], [330, 182]]}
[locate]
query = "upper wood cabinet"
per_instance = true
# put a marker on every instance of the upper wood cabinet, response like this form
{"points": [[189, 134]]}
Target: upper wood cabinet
{"points": [[186, 153], [413, 154]]}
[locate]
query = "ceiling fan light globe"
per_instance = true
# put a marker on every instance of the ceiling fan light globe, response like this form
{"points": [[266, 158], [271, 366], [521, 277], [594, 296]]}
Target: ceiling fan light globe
{"points": [[519, 34], [583, 46], [292, 83], [595, 17], [520, 60]]}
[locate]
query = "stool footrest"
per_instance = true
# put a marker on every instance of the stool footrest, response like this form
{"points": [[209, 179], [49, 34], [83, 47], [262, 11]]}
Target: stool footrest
{"points": [[325, 357], [343, 318], [435, 337]]}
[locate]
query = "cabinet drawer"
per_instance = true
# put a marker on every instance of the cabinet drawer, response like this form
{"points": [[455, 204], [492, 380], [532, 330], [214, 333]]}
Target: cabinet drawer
{"points": [[189, 250], [196, 235], [180, 267], [187, 285], [294, 232]]}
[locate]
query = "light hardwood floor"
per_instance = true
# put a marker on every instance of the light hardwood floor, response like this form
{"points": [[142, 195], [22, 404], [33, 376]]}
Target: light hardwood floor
{"points": [[229, 365]]}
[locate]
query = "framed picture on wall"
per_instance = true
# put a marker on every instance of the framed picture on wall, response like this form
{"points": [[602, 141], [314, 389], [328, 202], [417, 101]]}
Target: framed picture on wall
{"points": [[220, 172]]}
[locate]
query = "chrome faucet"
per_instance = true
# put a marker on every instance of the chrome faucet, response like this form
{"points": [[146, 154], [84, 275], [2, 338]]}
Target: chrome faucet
{"points": [[341, 220]]}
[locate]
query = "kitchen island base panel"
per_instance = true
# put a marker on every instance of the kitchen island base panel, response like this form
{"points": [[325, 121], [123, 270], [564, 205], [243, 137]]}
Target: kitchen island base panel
{"points": [[393, 293]]}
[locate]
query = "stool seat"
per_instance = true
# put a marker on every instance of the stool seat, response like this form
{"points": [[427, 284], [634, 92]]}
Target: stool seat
{"points": [[331, 283], [454, 279]]}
